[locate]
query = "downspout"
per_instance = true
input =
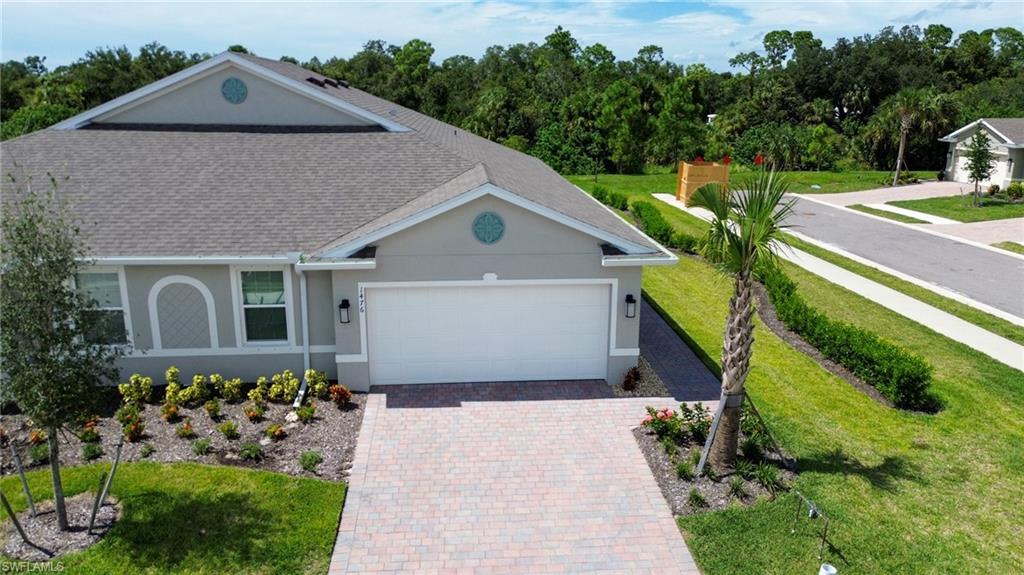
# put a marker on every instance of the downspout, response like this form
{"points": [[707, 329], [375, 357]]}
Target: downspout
{"points": [[304, 312]]}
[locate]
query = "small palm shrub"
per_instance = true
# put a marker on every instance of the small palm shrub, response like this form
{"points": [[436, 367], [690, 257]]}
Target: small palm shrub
{"points": [[684, 470], [202, 446], [316, 384], [309, 460], [212, 408], [768, 476], [340, 394], [276, 432], [744, 468], [39, 454], [251, 452], [306, 413], [147, 450], [737, 488], [137, 391], [255, 412], [229, 429], [185, 430], [91, 451], [696, 499]]}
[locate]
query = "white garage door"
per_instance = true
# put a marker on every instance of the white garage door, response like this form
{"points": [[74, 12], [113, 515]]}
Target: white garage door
{"points": [[487, 333]]}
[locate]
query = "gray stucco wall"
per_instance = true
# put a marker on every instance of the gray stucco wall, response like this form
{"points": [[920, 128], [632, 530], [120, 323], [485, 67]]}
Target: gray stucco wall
{"points": [[231, 358], [444, 249], [266, 103]]}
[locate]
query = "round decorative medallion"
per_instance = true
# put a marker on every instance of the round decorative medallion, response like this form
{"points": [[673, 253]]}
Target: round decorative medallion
{"points": [[488, 227], [234, 90]]}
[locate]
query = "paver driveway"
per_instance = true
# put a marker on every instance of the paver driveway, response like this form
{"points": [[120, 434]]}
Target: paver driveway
{"points": [[536, 486]]}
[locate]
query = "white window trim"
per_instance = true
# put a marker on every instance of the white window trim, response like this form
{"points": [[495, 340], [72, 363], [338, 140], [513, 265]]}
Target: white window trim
{"points": [[125, 308], [236, 301], [154, 316]]}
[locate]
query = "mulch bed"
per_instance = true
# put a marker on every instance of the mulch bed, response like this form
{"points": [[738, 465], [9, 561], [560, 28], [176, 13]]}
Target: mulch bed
{"points": [[49, 541], [333, 434], [771, 320], [715, 492], [650, 385]]}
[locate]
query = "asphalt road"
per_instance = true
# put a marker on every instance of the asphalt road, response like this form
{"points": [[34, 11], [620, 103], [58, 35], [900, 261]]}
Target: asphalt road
{"points": [[984, 275]]}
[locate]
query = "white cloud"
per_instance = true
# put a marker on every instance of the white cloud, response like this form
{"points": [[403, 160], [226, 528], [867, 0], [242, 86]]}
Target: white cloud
{"points": [[714, 30]]}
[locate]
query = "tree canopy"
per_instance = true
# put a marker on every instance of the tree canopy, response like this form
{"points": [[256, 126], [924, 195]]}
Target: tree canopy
{"points": [[800, 103]]}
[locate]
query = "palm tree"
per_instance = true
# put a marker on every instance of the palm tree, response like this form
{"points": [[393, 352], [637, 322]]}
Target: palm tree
{"points": [[746, 230], [925, 109]]}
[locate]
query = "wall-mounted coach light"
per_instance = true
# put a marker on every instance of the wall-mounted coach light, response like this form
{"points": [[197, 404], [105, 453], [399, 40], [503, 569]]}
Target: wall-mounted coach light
{"points": [[630, 305], [343, 308]]}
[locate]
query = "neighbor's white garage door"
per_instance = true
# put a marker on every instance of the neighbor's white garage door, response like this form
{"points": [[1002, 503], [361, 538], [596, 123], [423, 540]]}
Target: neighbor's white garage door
{"points": [[487, 333]]}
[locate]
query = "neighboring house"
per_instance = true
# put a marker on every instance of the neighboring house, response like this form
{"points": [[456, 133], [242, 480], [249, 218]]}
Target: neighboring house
{"points": [[247, 215], [1007, 137]]}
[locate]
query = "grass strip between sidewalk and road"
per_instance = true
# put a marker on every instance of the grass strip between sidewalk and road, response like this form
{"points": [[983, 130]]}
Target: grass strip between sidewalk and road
{"points": [[963, 208], [1010, 247]]}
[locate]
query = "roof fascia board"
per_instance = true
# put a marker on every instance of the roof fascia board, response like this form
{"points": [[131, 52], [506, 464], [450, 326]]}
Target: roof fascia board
{"points": [[631, 261], [352, 246], [189, 260], [210, 66], [364, 264]]}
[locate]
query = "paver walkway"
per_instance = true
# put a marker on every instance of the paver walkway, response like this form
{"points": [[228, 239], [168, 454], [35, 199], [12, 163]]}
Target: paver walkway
{"points": [[682, 372], [543, 486]]}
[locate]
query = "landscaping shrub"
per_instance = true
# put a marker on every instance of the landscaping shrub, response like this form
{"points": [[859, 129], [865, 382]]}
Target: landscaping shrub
{"points": [[664, 423], [340, 394], [147, 450], [134, 430], [696, 500], [198, 392], [36, 437], [652, 222], [89, 434], [306, 413], [631, 379], [212, 408], [1015, 190], [229, 429], [91, 451], [169, 412], [993, 189], [284, 387], [255, 412], [258, 394], [744, 468], [276, 432], [202, 446], [126, 414], [685, 243], [902, 378], [696, 420], [669, 446], [737, 488], [185, 430], [173, 376], [137, 391], [309, 460], [251, 452], [39, 454], [684, 470], [316, 384], [600, 194], [768, 476], [229, 389], [172, 395]]}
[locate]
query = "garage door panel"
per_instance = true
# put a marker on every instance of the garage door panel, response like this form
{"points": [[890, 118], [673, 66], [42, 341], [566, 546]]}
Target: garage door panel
{"points": [[487, 333]]}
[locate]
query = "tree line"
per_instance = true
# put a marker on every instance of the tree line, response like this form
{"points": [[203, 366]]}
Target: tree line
{"points": [[798, 103]]}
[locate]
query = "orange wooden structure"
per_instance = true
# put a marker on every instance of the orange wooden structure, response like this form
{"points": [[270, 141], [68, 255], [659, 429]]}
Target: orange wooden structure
{"points": [[690, 177]]}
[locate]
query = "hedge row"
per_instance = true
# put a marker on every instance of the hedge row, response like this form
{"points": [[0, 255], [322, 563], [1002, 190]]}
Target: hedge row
{"points": [[610, 198], [654, 224], [901, 377]]}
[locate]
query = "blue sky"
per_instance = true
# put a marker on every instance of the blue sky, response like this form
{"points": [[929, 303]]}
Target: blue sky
{"points": [[707, 31]]}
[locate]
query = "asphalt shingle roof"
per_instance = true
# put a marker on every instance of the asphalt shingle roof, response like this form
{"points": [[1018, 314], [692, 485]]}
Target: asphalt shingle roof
{"points": [[1012, 128], [188, 193]]}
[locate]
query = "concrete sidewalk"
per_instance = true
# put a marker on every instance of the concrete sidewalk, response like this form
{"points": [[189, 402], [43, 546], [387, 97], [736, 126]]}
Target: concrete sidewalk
{"points": [[967, 333], [890, 194]]}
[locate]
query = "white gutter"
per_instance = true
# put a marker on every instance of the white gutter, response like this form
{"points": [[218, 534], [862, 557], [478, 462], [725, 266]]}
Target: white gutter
{"points": [[625, 261], [188, 260], [304, 307], [353, 264]]}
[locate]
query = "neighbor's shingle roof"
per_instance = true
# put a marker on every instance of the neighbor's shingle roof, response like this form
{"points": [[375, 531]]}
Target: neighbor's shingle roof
{"points": [[1012, 128], [190, 193]]}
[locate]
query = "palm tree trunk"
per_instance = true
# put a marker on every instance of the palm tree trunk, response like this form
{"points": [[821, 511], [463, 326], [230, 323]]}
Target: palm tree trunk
{"points": [[899, 156], [736, 350], [58, 487]]}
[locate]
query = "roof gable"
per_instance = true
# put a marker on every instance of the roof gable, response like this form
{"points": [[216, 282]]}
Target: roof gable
{"points": [[1006, 130], [257, 96]]}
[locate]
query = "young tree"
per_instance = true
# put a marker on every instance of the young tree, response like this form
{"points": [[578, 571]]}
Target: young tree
{"points": [[980, 161], [51, 368], [746, 229], [924, 109]]}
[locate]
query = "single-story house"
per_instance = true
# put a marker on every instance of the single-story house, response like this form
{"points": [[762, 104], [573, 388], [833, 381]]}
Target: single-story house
{"points": [[1007, 138], [247, 215]]}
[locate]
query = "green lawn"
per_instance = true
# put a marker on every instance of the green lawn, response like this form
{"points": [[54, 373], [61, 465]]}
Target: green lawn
{"points": [[1011, 246], [640, 188], [191, 518], [800, 182], [962, 208], [906, 493], [887, 215]]}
